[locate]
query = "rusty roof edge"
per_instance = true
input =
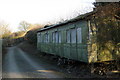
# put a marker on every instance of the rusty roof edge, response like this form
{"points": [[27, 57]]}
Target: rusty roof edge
{"points": [[80, 17]]}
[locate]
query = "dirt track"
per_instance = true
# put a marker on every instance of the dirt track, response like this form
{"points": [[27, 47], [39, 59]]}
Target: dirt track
{"points": [[18, 64]]}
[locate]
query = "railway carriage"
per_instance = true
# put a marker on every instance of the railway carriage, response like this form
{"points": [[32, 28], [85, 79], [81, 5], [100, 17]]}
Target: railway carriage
{"points": [[71, 39]]}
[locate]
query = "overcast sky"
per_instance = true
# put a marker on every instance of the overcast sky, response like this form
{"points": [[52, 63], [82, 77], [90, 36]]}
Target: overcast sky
{"points": [[41, 11]]}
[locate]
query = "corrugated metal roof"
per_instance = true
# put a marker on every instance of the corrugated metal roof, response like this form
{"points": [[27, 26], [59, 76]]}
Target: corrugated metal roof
{"points": [[80, 17]]}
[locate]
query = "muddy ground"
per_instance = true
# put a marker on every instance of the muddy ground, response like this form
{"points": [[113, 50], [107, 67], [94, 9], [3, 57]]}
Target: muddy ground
{"points": [[76, 68]]}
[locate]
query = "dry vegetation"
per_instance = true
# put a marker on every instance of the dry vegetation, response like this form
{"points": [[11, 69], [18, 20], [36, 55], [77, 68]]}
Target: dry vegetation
{"points": [[106, 29]]}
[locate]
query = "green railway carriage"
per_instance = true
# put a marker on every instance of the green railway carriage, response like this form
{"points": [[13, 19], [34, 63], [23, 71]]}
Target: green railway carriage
{"points": [[72, 39]]}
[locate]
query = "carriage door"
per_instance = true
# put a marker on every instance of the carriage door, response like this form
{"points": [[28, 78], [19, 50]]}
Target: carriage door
{"points": [[67, 45], [73, 51], [81, 44]]}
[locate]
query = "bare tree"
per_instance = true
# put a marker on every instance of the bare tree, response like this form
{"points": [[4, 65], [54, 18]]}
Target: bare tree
{"points": [[4, 30], [24, 26]]}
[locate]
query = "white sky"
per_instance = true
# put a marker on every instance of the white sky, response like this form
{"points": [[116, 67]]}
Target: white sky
{"points": [[41, 11]]}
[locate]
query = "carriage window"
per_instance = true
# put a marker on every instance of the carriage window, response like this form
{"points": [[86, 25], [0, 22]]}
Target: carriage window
{"points": [[44, 40], [79, 35], [53, 37], [73, 35], [48, 38], [68, 36], [39, 37], [56, 37], [59, 36]]}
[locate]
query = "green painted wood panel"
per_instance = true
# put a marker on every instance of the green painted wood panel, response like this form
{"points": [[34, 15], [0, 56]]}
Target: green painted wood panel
{"points": [[82, 47], [76, 51]]}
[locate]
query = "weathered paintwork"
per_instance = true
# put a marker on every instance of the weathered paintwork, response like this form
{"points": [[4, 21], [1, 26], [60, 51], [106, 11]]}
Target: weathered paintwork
{"points": [[86, 51], [76, 51]]}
